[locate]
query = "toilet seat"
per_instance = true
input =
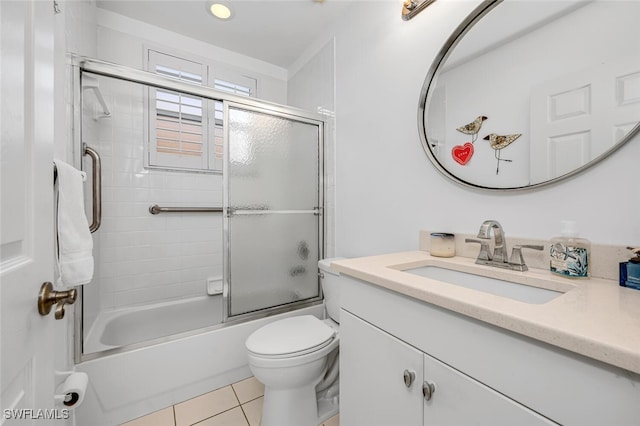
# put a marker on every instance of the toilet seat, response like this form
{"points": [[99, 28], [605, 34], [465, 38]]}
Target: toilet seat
{"points": [[290, 337]]}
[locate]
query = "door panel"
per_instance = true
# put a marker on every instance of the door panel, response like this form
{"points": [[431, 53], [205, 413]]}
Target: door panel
{"points": [[26, 219], [565, 133], [273, 220], [274, 260]]}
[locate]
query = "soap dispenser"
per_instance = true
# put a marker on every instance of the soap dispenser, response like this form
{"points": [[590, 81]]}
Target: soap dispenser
{"points": [[569, 254], [630, 271]]}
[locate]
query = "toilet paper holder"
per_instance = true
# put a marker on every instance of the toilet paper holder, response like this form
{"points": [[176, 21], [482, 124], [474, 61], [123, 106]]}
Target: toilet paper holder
{"points": [[70, 393]]}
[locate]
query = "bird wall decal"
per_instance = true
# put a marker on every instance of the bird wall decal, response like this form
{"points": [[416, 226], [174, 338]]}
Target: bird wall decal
{"points": [[498, 142], [472, 128]]}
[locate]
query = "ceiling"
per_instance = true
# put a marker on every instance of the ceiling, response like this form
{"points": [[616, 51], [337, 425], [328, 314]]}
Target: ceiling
{"points": [[274, 31]]}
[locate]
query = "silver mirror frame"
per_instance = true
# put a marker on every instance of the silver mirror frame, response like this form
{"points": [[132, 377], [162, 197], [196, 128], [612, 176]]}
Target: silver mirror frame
{"points": [[453, 40]]}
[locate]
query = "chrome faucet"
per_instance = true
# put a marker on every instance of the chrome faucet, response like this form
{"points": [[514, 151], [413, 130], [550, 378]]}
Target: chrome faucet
{"points": [[499, 257], [500, 243]]}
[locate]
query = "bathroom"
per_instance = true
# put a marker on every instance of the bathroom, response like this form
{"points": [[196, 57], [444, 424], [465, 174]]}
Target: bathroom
{"points": [[364, 71]]}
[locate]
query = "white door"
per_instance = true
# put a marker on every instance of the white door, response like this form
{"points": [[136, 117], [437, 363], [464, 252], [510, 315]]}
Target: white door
{"points": [[373, 391], [26, 215], [577, 117]]}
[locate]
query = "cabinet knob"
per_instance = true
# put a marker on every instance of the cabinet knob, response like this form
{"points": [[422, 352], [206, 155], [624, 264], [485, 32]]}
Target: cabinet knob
{"points": [[409, 377], [428, 389]]}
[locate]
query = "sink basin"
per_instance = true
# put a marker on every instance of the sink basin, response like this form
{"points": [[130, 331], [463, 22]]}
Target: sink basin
{"points": [[509, 289]]}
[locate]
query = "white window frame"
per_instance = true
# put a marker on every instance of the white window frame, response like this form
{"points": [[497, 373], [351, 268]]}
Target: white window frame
{"points": [[218, 76]]}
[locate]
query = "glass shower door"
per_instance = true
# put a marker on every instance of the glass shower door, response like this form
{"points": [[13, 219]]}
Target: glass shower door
{"points": [[274, 220]]}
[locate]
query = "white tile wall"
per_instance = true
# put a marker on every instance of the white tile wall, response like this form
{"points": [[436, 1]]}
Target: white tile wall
{"points": [[143, 258]]}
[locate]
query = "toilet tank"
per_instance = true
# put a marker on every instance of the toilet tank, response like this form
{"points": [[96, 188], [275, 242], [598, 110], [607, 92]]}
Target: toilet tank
{"points": [[330, 281]]}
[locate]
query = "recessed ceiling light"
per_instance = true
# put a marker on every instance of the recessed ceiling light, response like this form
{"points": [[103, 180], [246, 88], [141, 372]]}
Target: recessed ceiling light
{"points": [[220, 10]]}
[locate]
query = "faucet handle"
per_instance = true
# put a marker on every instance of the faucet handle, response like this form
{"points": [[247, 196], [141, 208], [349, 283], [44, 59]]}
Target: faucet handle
{"points": [[484, 249], [516, 258]]}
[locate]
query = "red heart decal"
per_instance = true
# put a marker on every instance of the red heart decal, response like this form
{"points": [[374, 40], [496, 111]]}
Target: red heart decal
{"points": [[462, 153]]}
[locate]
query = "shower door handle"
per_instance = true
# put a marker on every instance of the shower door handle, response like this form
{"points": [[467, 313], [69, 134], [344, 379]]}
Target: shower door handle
{"points": [[97, 186]]}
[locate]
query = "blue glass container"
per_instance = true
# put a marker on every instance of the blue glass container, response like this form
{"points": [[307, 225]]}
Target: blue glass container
{"points": [[630, 271]]}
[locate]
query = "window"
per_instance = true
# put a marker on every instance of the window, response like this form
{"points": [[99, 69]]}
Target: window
{"points": [[185, 131], [236, 89], [178, 123]]}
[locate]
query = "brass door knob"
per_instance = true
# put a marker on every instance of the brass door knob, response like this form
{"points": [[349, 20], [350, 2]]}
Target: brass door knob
{"points": [[49, 297]]}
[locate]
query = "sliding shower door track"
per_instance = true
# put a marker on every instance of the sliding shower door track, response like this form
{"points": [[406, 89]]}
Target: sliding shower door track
{"points": [[120, 72]]}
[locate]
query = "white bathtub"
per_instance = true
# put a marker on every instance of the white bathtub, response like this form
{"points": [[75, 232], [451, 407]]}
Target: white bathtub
{"points": [[126, 385], [123, 327]]}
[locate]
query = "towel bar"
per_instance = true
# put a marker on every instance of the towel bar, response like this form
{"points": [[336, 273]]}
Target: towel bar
{"points": [[156, 209]]}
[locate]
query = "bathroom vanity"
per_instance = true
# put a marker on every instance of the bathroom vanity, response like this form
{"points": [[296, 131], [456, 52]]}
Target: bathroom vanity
{"points": [[417, 350]]}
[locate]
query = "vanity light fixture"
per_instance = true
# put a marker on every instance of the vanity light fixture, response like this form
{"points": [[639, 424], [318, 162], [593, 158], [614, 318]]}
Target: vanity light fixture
{"points": [[411, 8], [220, 10]]}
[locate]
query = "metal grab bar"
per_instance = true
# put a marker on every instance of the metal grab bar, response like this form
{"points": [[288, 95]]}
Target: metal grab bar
{"points": [[156, 209], [97, 186]]}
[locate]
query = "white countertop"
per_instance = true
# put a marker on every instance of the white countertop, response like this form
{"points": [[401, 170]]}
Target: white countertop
{"points": [[594, 317]]}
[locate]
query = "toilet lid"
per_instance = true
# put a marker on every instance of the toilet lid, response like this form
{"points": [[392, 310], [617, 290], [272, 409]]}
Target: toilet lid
{"points": [[290, 336]]}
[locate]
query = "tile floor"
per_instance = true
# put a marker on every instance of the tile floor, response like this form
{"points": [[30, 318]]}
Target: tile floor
{"points": [[239, 404]]}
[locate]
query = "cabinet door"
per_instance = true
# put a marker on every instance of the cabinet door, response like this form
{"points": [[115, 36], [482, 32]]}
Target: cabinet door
{"points": [[460, 400], [372, 369]]}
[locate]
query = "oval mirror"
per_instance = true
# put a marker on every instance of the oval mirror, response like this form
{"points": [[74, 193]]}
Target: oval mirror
{"points": [[525, 93]]}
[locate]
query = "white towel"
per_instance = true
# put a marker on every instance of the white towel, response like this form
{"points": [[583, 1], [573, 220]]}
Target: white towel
{"points": [[75, 244]]}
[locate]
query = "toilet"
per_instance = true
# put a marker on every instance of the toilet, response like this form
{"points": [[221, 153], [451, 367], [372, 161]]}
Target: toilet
{"points": [[296, 359]]}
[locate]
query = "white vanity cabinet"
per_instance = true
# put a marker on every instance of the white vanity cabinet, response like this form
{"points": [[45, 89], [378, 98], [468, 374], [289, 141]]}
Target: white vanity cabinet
{"points": [[482, 374], [392, 383], [373, 388]]}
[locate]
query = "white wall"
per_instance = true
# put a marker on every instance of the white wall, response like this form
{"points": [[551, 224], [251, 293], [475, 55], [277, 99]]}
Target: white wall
{"points": [[312, 87], [387, 189], [122, 40]]}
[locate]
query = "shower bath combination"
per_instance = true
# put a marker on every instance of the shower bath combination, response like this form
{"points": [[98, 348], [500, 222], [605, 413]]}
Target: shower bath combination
{"points": [[253, 219]]}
